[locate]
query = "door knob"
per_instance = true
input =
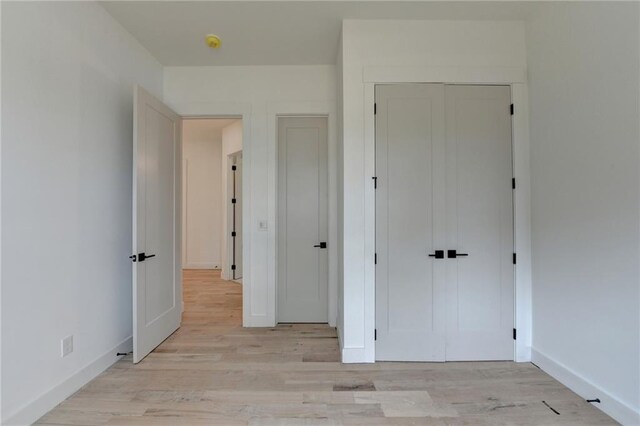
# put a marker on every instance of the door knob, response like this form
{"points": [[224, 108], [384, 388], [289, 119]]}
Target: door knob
{"points": [[452, 254], [438, 254], [321, 245]]}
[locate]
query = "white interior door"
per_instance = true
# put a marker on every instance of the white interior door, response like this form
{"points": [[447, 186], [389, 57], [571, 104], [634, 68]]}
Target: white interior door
{"points": [[237, 212], [410, 297], [480, 289], [157, 281], [444, 171], [302, 220]]}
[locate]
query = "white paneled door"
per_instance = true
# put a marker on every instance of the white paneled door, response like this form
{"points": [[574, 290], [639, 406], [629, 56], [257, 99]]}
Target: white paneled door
{"points": [[444, 223], [410, 293], [480, 282], [302, 220], [157, 285]]}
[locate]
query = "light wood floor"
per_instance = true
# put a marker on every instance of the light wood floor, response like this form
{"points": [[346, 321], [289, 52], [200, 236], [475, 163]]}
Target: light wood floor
{"points": [[214, 372]]}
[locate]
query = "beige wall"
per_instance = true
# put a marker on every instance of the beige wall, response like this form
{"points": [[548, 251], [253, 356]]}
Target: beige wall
{"points": [[202, 193]]}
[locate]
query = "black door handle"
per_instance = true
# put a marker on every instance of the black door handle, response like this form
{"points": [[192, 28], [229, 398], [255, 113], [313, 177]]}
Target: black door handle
{"points": [[438, 254], [321, 245], [452, 254], [141, 257]]}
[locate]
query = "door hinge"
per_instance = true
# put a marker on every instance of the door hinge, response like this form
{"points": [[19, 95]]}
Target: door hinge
{"points": [[233, 201], [375, 108], [514, 258], [375, 334], [233, 267], [375, 182], [375, 259], [513, 183], [233, 168], [514, 334], [511, 109], [233, 233]]}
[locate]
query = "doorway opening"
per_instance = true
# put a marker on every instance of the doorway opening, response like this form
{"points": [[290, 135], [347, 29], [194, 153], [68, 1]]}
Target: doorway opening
{"points": [[211, 215]]}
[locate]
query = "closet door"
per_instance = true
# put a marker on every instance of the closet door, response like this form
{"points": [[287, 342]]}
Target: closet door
{"points": [[303, 267], [410, 222], [480, 283]]}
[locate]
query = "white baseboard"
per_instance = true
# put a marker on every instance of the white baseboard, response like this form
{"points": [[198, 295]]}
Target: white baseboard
{"points": [[611, 405], [354, 356], [37, 408], [257, 321], [201, 265]]}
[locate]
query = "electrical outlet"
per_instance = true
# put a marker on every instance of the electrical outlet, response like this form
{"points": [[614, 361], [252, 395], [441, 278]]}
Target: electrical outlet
{"points": [[67, 346]]}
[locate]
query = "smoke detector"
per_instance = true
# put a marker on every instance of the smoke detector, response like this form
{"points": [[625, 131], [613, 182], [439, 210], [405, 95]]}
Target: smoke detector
{"points": [[213, 41]]}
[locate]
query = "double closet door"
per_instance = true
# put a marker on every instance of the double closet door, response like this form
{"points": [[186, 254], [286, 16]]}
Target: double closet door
{"points": [[444, 223]]}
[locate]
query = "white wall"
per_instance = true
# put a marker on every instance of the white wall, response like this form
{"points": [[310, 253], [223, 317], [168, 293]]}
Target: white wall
{"points": [[231, 144], [386, 47], [583, 76], [259, 94], [66, 197], [202, 194]]}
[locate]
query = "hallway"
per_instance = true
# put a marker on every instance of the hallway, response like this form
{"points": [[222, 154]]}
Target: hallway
{"points": [[213, 371]]}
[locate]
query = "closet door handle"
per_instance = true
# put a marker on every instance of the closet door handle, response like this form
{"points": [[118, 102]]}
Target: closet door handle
{"points": [[141, 257], [452, 254], [321, 245], [438, 254]]}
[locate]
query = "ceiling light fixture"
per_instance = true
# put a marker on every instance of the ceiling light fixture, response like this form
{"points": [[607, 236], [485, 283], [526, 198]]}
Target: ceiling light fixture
{"points": [[213, 41]]}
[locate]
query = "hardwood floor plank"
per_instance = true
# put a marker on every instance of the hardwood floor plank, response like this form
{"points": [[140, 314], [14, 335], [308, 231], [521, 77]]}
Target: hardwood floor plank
{"points": [[214, 372]]}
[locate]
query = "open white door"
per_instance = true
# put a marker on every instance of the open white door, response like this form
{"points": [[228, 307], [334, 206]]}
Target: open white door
{"points": [[157, 280]]}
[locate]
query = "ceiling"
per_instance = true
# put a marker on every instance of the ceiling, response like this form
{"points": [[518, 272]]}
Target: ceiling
{"points": [[275, 32]]}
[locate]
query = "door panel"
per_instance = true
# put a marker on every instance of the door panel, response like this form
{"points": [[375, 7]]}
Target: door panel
{"points": [[480, 214], [302, 220], [157, 294], [410, 310]]}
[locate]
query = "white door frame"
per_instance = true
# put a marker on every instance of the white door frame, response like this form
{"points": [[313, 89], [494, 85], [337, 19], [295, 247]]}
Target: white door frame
{"points": [[307, 109], [331, 241], [242, 111], [514, 77]]}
